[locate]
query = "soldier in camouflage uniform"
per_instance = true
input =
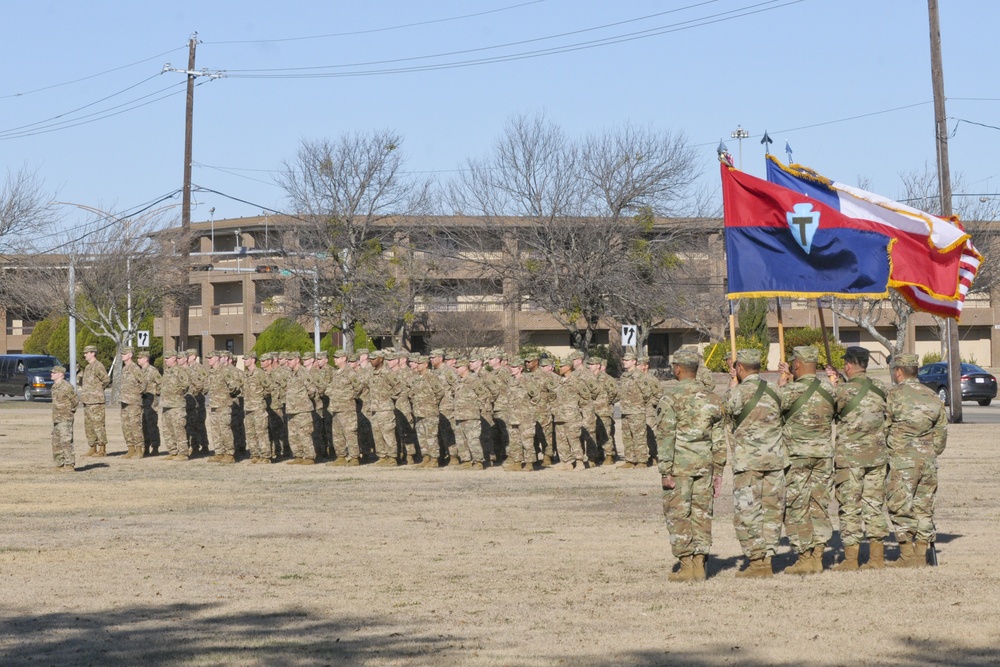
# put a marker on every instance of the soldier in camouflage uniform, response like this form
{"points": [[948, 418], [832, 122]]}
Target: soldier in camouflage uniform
{"points": [[299, 406], [759, 459], [64, 402], [446, 427], [342, 392], [635, 395], [381, 384], [604, 410], [567, 413], [402, 406], [916, 435], [150, 404], [197, 414], [467, 396], [655, 390], [590, 391], [428, 391], [518, 408], [133, 385], [223, 386], [255, 392], [173, 401], [279, 383], [860, 459], [807, 407], [323, 371], [692, 444], [95, 380]]}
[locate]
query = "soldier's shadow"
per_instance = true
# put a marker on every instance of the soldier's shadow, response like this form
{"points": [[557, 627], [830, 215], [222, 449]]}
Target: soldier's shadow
{"points": [[92, 466], [717, 565]]}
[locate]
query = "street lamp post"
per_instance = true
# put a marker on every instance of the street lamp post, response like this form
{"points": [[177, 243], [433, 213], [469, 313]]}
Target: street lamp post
{"points": [[740, 134]]}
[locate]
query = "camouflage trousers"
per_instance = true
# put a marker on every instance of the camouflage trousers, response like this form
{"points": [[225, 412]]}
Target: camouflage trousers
{"points": [[93, 424], [221, 420], [277, 431], [255, 427], [197, 417], [521, 442], [588, 436], [468, 434], [808, 491], [345, 435], [634, 437], [427, 437], [406, 437], [861, 498], [486, 439], [132, 424], [446, 436], [300, 435], [568, 441], [605, 434], [758, 502], [384, 434], [174, 431], [150, 421], [910, 498], [62, 444], [545, 436], [688, 509]]}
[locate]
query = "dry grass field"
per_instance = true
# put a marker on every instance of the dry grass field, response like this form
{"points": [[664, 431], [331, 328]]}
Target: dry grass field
{"points": [[148, 562]]}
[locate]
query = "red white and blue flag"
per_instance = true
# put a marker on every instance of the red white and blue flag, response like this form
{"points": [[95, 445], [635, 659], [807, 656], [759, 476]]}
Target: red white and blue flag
{"points": [[933, 259]]}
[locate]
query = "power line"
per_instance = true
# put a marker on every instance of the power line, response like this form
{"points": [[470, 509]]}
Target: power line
{"points": [[579, 46], [375, 30], [87, 78]]}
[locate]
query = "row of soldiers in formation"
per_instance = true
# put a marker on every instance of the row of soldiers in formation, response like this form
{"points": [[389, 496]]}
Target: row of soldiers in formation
{"points": [[793, 446], [388, 407]]}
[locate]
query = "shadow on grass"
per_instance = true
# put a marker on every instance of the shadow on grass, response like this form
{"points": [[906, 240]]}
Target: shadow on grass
{"points": [[91, 466], [200, 633]]}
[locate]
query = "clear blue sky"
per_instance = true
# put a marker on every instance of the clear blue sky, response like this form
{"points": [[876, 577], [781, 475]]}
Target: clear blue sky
{"points": [[800, 70]]}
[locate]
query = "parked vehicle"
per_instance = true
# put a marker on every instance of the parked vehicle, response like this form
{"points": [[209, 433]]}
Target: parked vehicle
{"points": [[977, 384], [28, 375]]}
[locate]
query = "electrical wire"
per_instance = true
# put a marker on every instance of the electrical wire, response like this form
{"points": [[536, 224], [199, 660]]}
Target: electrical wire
{"points": [[92, 76], [579, 46], [376, 30]]}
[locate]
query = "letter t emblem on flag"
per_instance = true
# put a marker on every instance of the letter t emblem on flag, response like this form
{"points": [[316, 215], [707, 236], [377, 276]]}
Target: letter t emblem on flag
{"points": [[803, 222]]}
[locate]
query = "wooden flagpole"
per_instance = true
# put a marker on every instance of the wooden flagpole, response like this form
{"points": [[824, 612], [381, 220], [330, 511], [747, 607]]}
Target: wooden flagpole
{"points": [[732, 333], [781, 333], [826, 338]]}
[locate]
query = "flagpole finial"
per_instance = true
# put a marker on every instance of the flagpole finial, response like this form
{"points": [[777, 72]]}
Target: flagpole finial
{"points": [[766, 140], [725, 157], [788, 152]]}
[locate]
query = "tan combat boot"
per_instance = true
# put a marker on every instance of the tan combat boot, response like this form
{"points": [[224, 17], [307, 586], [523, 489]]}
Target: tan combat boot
{"points": [[920, 554], [759, 568], [307, 462], [876, 556], [293, 462], [817, 561], [92, 451], [130, 453], [850, 562], [386, 462], [227, 458], [101, 451], [511, 465], [699, 567], [478, 465], [905, 556], [352, 462], [214, 459], [685, 572], [803, 565], [178, 457], [338, 462], [580, 465], [546, 461], [626, 465], [428, 462]]}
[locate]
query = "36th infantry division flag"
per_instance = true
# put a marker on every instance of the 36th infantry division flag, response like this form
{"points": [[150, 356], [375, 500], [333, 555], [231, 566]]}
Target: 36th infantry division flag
{"points": [[780, 242], [933, 259]]}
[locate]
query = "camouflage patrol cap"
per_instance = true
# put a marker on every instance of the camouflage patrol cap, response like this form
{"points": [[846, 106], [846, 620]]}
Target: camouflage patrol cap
{"points": [[403, 354], [58, 369], [748, 356], [687, 357], [390, 355], [213, 353], [642, 360], [339, 353], [462, 361], [282, 355], [494, 353], [322, 354], [142, 354], [575, 354], [546, 360], [377, 354], [629, 356], [806, 354], [308, 355], [419, 359], [293, 355], [437, 352], [354, 357], [169, 354], [266, 356], [530, 356], [516, 362], [250, 355], [191, 352], [450, 354], [127, 350], [90, 348], [905, 361]]}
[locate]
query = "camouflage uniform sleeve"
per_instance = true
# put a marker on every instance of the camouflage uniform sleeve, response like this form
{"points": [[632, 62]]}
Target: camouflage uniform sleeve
{"points": [[939, 432], [719, 444], [102, 376], [666, 437]]}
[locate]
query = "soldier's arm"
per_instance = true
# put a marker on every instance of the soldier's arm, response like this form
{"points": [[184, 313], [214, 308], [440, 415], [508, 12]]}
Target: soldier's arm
{"points": [[666, 436], [102, 377], [939, 432]]}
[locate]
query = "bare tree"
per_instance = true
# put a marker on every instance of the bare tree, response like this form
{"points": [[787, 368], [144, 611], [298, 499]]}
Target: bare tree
{"points": [[568, 213], [27, 213], [347, 194], [466, 332]]}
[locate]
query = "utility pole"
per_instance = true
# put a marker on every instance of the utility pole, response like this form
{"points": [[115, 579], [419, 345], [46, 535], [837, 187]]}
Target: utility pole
{"points": [[192, 73], [944, 187]]}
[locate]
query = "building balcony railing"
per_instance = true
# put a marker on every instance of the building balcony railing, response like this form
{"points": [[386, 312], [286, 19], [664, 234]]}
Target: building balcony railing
{"points": [[24, 330], [193, 311], [458, 307], [228, 309]]}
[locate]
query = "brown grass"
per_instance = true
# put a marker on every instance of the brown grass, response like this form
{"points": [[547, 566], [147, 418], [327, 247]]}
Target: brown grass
{"points": [[151, 562]]}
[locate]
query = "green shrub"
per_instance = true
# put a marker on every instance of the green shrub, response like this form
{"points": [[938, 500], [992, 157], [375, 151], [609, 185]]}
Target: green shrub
{"points": [[801, 336], [715, 355], [930, 358], [284, 334]]}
